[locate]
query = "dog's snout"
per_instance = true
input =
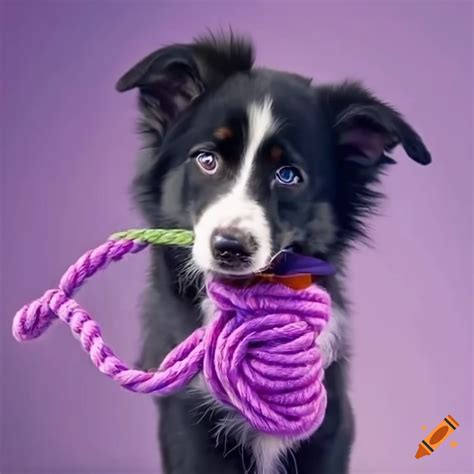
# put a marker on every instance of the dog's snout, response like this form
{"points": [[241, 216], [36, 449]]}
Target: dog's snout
{"points": [[232, 248]]}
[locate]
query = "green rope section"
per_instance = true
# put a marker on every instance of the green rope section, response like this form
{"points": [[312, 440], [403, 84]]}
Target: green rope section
{"points": [[157, 236]]}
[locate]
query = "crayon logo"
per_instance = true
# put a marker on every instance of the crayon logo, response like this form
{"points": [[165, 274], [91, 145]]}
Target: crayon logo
{"points": [[437, 437]]}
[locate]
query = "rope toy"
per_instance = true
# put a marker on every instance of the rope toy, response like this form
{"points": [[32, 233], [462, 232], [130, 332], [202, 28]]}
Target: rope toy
{"points": [[258, 355]]}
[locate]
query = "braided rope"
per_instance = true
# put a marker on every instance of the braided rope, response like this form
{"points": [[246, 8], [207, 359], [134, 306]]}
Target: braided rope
{"points": [[258, 355]]}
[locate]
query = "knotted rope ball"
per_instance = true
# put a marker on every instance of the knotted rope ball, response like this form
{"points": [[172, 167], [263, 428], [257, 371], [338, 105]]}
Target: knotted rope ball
{"points": [[258, 354]]}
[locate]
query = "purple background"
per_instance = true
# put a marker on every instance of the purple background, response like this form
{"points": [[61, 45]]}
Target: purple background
{"points": [[68, 152]]}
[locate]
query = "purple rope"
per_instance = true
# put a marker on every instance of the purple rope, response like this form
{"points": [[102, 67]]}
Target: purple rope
{"points": [[258, 355]]}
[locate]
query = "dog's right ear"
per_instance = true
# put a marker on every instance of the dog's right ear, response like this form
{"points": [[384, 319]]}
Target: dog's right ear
{"points": [[172, 77]]}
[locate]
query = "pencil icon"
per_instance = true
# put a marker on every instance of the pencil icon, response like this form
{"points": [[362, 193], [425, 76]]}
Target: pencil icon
{"points": [[436, 437]]}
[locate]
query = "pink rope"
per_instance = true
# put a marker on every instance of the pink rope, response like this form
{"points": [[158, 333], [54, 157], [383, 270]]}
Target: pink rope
{"points": [[258, 355]]}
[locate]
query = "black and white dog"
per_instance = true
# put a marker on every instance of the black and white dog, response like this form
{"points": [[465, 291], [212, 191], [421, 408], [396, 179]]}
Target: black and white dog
{"points": [[253, 160]]}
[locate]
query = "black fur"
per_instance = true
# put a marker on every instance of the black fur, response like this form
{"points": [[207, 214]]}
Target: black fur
{"points": [[340, 133]]}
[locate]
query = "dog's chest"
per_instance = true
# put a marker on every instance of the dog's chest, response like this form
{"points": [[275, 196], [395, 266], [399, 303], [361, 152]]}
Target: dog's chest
{"points": [[268, 451]]}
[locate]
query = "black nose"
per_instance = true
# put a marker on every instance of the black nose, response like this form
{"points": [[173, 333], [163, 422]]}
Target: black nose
{"points": [[232, 248]]}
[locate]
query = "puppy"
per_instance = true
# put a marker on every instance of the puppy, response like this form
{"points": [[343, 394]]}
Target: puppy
{"points": [[253, 160]]}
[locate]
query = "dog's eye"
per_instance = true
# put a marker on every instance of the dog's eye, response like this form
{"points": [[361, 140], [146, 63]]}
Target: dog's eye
{"points": [[288, 176], [207, 161]]}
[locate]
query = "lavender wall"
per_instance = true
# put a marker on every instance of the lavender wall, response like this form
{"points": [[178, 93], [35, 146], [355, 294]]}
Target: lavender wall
{"points": [[68, 151]]}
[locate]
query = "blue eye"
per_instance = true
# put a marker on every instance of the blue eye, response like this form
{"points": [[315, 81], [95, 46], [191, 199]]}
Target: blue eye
{"points": [[288, 175]]}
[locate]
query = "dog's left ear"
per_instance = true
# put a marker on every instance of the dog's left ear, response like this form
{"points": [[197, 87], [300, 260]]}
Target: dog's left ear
{"points": [[366, 128], [170, 78]]}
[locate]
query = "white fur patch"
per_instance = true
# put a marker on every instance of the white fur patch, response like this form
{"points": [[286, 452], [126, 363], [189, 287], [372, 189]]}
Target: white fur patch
{"points": [[333, 339], [268, 451], [237, 208]]}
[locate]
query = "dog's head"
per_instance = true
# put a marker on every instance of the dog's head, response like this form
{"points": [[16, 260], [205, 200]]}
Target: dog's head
{"points": [[254, 159]]}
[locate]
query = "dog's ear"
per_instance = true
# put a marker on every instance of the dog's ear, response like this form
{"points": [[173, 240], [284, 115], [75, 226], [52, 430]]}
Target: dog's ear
{"points": [[366, 128], [172, 77]]}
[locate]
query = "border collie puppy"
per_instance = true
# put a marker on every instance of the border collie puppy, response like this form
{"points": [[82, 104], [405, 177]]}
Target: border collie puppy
{"points": [[253, 160]]}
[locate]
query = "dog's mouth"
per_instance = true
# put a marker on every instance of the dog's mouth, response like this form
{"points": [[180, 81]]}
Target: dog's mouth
{"points": [[245, 268], [288, 266], [243, 264], [288, 259], [235, 259]]}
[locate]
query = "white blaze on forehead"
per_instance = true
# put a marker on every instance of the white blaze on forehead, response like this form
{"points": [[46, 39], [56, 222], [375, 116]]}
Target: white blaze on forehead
{"points": [[236, 208], [261, 124]]}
